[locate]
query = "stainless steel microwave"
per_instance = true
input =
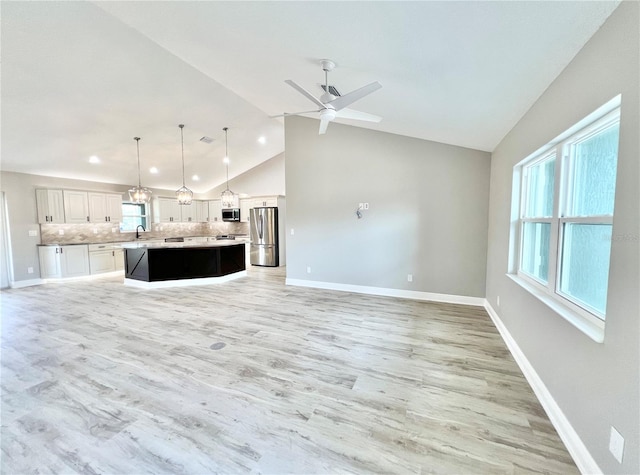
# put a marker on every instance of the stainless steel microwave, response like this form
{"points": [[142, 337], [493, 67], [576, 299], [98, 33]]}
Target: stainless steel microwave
{"points": [[231, 214]]}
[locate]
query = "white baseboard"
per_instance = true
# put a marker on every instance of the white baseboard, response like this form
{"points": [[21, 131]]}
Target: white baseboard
{"points": [[407, 294], [581, 456], [18, 284]]}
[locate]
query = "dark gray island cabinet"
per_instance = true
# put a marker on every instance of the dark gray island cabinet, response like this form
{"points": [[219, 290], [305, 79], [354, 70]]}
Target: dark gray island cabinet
{"points": [[183, 263]]}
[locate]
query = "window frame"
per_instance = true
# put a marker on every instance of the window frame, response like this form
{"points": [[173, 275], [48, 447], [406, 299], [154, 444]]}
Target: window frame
{"points": [[146, 216], [580, 314]]}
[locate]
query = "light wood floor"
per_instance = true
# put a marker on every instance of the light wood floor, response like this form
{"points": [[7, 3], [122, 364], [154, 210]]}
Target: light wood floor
{"points": [[253, 376]]}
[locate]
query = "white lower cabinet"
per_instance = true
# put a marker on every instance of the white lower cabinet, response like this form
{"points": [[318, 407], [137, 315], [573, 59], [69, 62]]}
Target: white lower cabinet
{"points": [[104, 258], [63, 261]]}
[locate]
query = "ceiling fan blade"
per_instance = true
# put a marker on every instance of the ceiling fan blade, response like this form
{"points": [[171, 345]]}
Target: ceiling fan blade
{"points": [[293, 113], [305, 93], [324, 123], [357, 115], [343, 101]]}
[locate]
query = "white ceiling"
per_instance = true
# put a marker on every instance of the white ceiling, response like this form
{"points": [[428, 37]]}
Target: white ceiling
{"points": [[84, 78]]}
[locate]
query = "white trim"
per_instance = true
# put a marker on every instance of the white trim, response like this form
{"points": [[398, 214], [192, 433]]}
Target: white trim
{"points": [[18, 284], [162, 284], [575, 315], [578, 451], [406, 294]]}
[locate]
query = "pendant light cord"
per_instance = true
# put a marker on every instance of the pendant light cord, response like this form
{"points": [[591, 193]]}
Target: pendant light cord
{"points": [[226, 153], [182, 141], [137, 139]]}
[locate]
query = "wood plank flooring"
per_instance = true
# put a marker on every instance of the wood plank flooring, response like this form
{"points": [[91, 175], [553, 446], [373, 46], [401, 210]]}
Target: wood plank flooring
{"points": [[252, 376]]}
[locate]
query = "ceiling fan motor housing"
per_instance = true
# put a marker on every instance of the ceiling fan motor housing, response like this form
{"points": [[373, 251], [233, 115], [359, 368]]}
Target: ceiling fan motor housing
{"points": [[328, 114]]}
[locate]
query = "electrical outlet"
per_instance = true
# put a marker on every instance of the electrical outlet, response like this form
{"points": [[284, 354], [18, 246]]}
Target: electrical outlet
{"points": [[498, 300], [292, 232], [308, 269], [616, 444], [33, 233], [61, 232], [409, 277], [95, 231], [29, 270], [366, 206], [360, 205], [113, 230]]}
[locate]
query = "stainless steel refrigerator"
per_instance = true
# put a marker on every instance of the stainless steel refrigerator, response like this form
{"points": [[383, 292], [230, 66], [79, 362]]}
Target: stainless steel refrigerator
{"points": [[263, 224]]}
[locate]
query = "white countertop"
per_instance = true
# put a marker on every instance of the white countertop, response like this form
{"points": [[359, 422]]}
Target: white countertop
{"points": [[179, 245]]}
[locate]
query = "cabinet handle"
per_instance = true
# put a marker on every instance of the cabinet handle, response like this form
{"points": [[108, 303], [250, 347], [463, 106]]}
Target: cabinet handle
{"points": [[46, 218], [56, 250], [113, 253], [109, 218], [60, 250], [88, 218]]}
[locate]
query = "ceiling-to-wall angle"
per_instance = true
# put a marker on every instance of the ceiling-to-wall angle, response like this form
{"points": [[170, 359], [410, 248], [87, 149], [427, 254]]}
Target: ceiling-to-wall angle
{"points": [[331, 106]]}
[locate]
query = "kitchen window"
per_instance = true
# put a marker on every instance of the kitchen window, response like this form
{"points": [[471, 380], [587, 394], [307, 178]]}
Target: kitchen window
{"points": [[564, 224], [133, 215]]}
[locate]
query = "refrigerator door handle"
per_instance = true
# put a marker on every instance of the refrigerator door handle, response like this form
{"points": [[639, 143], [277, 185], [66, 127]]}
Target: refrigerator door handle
{"points": [[261, 226]]}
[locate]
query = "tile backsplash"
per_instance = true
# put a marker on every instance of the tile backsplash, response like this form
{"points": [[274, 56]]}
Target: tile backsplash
{"points": [[108, 232]]}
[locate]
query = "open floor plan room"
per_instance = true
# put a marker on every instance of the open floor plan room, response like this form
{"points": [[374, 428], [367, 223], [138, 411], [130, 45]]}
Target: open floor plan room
{"points": [[252, 376]]}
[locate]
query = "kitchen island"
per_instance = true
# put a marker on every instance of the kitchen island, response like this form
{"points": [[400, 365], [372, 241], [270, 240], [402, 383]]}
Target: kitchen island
{"points": [[154, 265]]}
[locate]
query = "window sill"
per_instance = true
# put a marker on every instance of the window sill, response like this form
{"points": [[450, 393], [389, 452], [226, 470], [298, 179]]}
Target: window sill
{"points": [[592, 330]]}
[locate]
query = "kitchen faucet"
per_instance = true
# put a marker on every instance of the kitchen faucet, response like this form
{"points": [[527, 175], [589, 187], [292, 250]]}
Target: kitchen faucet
{"points": [[137, 232]]}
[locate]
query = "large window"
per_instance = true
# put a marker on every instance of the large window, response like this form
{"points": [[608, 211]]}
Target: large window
{"points": [[134, 214], [566, 202]]}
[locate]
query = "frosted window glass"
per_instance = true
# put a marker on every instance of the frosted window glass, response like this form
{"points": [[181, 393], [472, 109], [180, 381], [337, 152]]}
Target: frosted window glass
{"points": [[535, 250], [594, 174], [540, 186], [585, 263]]}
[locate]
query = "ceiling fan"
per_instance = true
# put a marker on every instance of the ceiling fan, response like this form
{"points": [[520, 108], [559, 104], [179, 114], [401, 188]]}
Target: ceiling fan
{"points": [[331, 104]]}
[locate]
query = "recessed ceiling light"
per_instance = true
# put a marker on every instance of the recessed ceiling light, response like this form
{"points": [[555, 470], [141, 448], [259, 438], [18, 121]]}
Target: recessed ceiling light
{"points": [[94, 159], [262, 140], [153, 170], [195, 178]]}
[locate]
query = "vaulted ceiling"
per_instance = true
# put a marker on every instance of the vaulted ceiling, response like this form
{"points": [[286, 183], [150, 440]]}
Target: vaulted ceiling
{"points": [[81, 79]]}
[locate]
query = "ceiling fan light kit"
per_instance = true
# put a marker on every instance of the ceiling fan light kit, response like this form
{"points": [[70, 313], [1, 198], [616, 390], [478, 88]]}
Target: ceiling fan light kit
{"points": [[331, 106], [184, 194], [139, 194]]}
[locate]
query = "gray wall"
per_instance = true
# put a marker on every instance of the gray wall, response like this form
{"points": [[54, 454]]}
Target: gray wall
{"points": [[596, 385], [427, 217], [264, 179]]}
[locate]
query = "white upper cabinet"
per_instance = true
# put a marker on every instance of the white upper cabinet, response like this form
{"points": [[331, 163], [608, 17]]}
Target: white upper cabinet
{"points": [[215, 211], [188, 212], [262, 201], [202, 211], [245, 206], [50, 206], [76, 206], [104, 207], [167, 210]]}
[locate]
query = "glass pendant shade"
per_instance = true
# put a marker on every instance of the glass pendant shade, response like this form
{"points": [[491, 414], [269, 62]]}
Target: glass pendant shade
{"points": [[139, 194], [228, 197], [184, 194]]}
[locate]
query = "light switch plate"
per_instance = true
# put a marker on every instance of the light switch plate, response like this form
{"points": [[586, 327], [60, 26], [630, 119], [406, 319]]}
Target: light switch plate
{"points": [[33, 233]]}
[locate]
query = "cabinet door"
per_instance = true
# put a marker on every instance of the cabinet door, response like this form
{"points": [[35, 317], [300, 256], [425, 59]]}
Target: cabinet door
{"points": [[74, 260], [76, 206], [114, 208], [101, 261], [168, 210], [188, 213], [49, 262], [50, 206], [118, 257], [245, 206], [97, 207], [215, 211], [202, 211]]}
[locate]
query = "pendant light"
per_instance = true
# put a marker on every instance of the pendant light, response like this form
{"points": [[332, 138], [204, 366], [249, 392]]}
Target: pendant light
{"points": [[228, 196], [139, 194], [184, 194]]}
